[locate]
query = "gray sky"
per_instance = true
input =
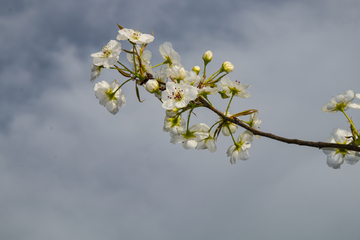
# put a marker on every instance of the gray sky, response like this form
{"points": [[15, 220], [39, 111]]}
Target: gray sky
{"points": [[71, 170]]}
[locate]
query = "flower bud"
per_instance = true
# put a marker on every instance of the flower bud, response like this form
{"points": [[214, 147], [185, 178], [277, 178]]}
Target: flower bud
{"points": [[196, 69], [152, 85], [227, 67], [207, 57]]}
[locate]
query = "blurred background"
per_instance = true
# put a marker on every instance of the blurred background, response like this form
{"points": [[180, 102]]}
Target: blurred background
{"points": [[71, 170]]}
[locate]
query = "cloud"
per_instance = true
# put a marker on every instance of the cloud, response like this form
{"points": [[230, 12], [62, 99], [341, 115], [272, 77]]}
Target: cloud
{"points": [[71, 170]]}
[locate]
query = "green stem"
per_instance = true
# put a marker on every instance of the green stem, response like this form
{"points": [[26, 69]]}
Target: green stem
{"points": [[158, 65], [125, 68], [231, 134], [188, 121], [134, 61], [214, 125], [121, 85], [215, 74], [232, 96], [204, 75], [350, 121]]}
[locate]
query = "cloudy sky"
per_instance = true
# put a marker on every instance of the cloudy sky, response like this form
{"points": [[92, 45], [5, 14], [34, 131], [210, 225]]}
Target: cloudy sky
{"points": [[71, 170]]}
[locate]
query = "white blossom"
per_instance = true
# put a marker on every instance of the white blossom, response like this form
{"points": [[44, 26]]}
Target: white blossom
{"points": [[239, 151], [235, 88], [134, 36], [209, 141], [336, 156], [107, 98], [174, 124], [255, 122], [192, 78], [208, 90], [177, 72], [178, 95], [169, 55], [189, 138], [342, 101], [108, 56]]}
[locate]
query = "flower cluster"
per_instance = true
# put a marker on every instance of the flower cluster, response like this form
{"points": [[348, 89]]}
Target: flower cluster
{"points": [[183, 91], [336, 156]]}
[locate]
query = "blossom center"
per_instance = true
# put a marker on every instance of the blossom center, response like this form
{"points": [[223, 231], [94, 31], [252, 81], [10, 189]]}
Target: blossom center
{"points": [[135, 35], [110, 94], [106, 52], [177, 94]]}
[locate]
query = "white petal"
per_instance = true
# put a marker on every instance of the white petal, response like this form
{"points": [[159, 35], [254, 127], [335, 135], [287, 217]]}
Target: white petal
{"points": [[335, 160], [354, 105]]}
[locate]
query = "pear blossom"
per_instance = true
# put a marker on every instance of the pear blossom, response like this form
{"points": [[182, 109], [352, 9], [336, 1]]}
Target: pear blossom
{"points": [[171, 112], [342, 102], [209, 141], [239, 151], [134, 36], [227, 125], [169, 55], [192, 78], [189, 138], [161, 75], [108, 56], [177, 72], [174, 124], [255, 122], [234, 88], [178, 95], [336, 156], [95, 72], [108, 98], [204, 91]]}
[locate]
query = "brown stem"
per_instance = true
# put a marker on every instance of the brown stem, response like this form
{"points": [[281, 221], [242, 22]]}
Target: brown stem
{"points": [[281, 139]]}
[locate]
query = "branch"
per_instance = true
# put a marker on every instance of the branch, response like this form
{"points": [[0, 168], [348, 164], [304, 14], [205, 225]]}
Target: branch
{"points": [[278, 138]]}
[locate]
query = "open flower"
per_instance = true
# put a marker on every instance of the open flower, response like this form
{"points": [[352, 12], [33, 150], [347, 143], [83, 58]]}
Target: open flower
{"points": [[134, 36], [174, 124], [177, 72], [342, 102], [239, 151], [108, 97], [255, 122], [234, 88], [169, 55], [108, 56], [178, 95], [189, 138], [209, 141], [336, 156]]}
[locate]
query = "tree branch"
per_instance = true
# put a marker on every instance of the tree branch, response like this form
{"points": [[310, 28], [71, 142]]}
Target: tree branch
{"points": [[278, 138]]}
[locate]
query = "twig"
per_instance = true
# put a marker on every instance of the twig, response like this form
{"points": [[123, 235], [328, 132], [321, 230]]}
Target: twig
{"points": [[278, 138]]}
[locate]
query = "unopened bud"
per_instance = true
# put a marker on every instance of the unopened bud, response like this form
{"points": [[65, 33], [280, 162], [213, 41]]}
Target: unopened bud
{"points": [[207, 57], [227, 67], [152, 86], [196, 69]]}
